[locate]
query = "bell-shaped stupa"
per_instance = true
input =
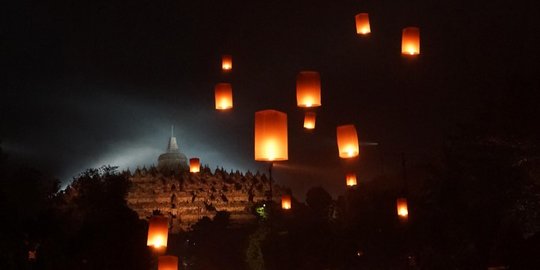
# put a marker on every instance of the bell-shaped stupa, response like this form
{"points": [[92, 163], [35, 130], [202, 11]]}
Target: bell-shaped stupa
{"points": [[173, 160]]}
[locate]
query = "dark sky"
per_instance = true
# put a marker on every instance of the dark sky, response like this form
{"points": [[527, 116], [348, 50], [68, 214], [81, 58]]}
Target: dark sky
{"points": [[88, 83]]}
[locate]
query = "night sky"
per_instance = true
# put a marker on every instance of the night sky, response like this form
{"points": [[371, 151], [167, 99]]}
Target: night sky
{"points": [[89, 83]]}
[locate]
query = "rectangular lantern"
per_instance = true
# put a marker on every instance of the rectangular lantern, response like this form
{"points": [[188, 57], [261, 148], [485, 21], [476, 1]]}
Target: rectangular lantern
{"points": [[308, 89], [194, 165], [410, 41], [286, 202], [402, 210], [351, 179], [347, 141], [224, 96], [167, 263], [158, 232], [226, 62], [362, 24], [271, 136], [309, 120]]}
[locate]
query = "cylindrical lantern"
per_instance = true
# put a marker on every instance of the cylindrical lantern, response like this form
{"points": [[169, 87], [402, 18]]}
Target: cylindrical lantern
{"points": [[402, 210], [194, 165], [362, 24], [271, 136], [158, 232], [226, 62], [309, 120], [286, 202], [308, 89], [410, 41], [224, 96], [167, 263], [347, 141], [351, 179]]}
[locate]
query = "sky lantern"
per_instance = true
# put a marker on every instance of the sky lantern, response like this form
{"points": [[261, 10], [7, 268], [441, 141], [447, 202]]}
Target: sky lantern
{"points": [[158, 232], [362, 24], [402, 210], [347, 141], [167, 263], [309, 120], [194, 165], [308, 89], [224, 96], [226, 62], [351, 179], [271, 136], [410, 41], [286, 202]]}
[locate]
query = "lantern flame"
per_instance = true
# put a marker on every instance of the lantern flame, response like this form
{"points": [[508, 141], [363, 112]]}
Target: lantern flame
{"points": [[351, 180], [402, 209], [223, 96], [410, 41], [194, 165], [226, 62], [286, 202], [309, 120], [347, 140], [308, 89], [362, 24], [158, 230], [271, 136]]}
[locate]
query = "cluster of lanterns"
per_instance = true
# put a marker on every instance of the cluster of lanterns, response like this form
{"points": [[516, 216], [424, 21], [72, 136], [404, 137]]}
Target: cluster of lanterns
{"points": [[158, 234]]}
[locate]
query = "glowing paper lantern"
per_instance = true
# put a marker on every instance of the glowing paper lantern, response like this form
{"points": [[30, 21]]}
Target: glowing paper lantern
{"points": [[308, 89], [167, 263], [351, 179], [194, 165], [402, 210], [309, 120], [347, 141], [224, 97], [286, 202], [271, 136], [158, 232], [226, 62], [410, 41], [362, 24]]}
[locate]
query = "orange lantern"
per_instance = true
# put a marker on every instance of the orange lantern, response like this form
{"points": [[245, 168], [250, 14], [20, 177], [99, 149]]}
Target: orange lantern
{"points": [[308, 89], [167, 263], [286, 202], [271, 136], [158, 232], [309, 120], [347, 141], [226, 62], [362, 24], [224, 97], [351, 179], [402, 210], [410, 41], [194, 165]]}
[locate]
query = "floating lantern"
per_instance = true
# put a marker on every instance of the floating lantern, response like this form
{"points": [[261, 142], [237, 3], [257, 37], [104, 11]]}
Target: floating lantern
{"points": [[286, 202], [351, 179], [167, 263], [402, 209], [362, 24], [224, 97], [226, 62], [158, 232], [309, 120], [308, 89], [271, 136], [410, 41], [347, 141], [194, 165]]}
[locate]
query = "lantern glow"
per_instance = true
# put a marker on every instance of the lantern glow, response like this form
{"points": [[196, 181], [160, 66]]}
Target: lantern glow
{"points": [[271, 136], [309, 120], [351, 179], [158, 232], [226, 62], [347, 140], [410, 41], [402, 210], [286, 202], [194, 165], [308, 89], [362, 24], [224, 96], [167, 263]]}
